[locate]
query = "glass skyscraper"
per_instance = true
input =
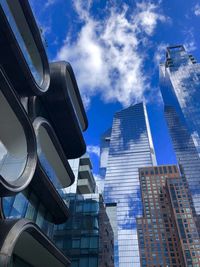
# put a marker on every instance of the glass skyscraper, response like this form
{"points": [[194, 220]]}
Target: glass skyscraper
{"points": [[179, 84], [129, 146]]}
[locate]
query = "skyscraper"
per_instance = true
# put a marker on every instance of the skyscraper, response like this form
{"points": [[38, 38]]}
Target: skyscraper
{"points": [[179, 84], [183, 75], [130, 147]]}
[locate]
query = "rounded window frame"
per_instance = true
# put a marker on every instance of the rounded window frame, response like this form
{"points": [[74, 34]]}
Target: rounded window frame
{"points": [[8, 188], [26, 85]]}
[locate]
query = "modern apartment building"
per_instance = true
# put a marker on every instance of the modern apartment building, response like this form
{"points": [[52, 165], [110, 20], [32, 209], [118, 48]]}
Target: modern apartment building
{"points": [[41, 128], [179, 84], [167, 230], [86, 238], [129, 146]]}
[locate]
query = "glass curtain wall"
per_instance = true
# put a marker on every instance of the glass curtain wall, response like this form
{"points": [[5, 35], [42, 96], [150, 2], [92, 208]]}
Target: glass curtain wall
{"points": [[78, 238], [28, 205], [130, 148], [179, 84]]}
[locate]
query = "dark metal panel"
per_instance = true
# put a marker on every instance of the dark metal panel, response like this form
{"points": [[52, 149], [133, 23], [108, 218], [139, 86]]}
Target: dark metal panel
{"points": [[41, 183], [62, 112], [10, 232]]}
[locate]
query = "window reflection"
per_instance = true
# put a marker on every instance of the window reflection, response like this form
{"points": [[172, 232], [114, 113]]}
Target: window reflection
{"points": [[24, 37], [13, 145], [28, 205], [51, 161]]}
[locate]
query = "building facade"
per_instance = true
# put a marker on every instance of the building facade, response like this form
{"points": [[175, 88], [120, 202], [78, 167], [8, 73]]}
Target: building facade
{"points": [[130, 147], [41, 128], [87, 237], [183, 74], [179, 84], [104, 152], [168, 233]]}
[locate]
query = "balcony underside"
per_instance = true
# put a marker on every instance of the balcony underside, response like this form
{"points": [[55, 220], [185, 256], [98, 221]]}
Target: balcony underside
{"points": [[21, 241]]}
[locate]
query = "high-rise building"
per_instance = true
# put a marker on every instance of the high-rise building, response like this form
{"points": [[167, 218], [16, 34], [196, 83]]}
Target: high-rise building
{"points": [[182, 74], [86, 238], [179, 84], [167, 231], [130, 147]]}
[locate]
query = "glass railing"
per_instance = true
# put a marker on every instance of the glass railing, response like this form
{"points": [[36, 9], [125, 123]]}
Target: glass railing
{"points": [[51, 161], [13, 144], [50, 172]]}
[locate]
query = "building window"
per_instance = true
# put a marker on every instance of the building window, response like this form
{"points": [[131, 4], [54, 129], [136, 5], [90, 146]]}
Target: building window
{"points": [[94, 242], [76, 243], [84, 242], [93, 262], [24, 38]]}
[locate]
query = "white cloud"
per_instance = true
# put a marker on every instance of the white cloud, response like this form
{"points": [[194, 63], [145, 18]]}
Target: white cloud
{"points": [[107, 55], [190, 45], [147, 17], [197, 10], [93, 150], [50, 3]]}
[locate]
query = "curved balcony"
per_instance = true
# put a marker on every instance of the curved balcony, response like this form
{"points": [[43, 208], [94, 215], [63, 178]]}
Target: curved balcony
{"points": [[22, 54], [53, 171], [23, 244], [65, 108], [18, 155]]}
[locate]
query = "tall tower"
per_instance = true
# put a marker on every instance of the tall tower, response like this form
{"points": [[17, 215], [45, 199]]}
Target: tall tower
{"points": [[130, 147], [179, 84]]}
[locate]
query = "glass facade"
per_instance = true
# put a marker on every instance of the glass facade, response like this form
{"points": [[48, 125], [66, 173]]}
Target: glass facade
{"points": [[86, 238], [28, 205], [104, 151], [130, 147], [179, 84]]}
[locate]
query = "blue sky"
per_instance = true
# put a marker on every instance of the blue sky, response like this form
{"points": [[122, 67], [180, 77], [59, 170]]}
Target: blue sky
{"points": [[115, 48]]}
